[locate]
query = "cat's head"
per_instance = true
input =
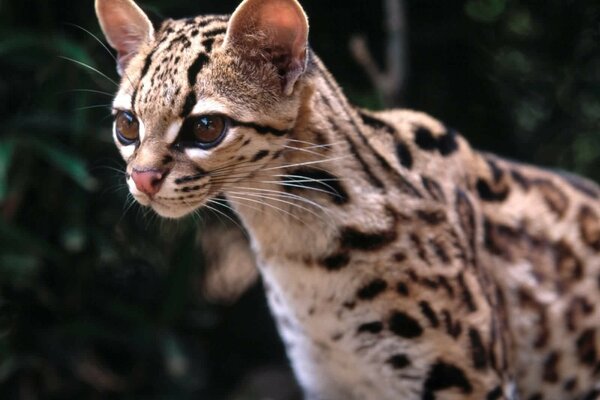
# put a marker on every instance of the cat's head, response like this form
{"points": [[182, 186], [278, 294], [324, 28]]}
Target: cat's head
{"points": [[203, 102]]}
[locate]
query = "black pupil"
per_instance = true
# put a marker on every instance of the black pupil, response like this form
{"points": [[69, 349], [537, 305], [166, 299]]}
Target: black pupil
{"points": [[205, 123]]}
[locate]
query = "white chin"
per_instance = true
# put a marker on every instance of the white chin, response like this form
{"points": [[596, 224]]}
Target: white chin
{"points": [[172, 212]]}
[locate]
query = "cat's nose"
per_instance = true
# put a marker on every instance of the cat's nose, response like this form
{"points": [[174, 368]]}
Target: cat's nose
{"points": [[148, 181]]}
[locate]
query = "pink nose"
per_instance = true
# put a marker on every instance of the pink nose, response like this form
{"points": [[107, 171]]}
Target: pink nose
{"points": [[148, 181]]}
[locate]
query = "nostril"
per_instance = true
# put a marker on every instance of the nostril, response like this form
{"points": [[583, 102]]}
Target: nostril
{"points": [[148, 181]]}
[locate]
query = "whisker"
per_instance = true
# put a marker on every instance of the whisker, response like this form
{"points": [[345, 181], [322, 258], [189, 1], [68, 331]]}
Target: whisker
{"points": [[276, 198], [90, 68], [88, 91], [289, 196], [266, 205], [101, 44], [93, 106]]}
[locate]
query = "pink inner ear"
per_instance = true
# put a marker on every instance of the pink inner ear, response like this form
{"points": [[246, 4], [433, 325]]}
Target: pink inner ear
{"points": [[285, 27], [125, 26]]}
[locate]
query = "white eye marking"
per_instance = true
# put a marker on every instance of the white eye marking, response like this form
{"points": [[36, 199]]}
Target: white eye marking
{"points": [[197, 154], [127, 151], [142, 130], [172, 131], [204, 107], [122, 101]]}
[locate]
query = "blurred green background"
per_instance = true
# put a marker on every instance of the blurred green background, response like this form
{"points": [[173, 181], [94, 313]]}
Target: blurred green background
{"points": [[99, 299]]}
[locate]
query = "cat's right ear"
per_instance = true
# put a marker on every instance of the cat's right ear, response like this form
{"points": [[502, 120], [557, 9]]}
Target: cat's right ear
{"points": [[125, 27]]}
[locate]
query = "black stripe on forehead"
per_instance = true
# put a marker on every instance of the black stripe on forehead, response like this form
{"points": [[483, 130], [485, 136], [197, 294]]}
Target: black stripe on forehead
{"points": [[194, 69], [143, 73]]}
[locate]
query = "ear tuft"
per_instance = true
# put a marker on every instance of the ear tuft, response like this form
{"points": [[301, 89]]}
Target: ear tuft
{"points": [[125, 27], [277, 29]]}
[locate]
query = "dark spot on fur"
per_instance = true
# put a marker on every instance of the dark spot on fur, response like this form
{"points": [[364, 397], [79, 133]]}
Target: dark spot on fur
{"points": [[208, 44], [444, 376], [352, 238], [466, 293], [336, 262], [399, 257], [418, 245], [486, 193], [440, 251], [551, 368], [554, 198], [260, 155], [586, 347], [536, 396], [372, 289], [454, 329], [434, 189], [425, 139], [376, 123], [402, 288], [589, 227], [399, 361], [570, 384], [405, 326], [446, 144], [370, 327], [429, 313], [494, 394], [431, 217], [478, 353], [404, 155]]}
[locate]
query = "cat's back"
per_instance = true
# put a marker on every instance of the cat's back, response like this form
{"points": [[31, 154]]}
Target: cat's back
{"points": [[537, 240]]}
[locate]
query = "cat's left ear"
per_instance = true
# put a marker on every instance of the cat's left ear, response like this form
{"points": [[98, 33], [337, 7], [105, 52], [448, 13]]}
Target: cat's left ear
{"points": [[125, 26], [277, 29]]}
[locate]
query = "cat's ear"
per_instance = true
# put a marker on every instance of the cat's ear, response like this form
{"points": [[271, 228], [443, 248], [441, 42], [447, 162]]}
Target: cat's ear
{"points": [[278, 29], [125, 27]]}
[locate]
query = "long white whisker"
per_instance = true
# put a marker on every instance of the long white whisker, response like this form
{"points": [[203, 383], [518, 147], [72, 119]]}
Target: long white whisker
{"points": [[90, 68], [276, 198], [101, 44]]}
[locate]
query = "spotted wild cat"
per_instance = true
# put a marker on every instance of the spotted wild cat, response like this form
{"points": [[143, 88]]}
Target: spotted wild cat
{"points": [[399, 262]]}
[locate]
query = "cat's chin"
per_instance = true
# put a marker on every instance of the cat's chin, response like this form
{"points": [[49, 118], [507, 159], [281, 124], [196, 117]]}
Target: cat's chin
{"points": [[172, 212]]}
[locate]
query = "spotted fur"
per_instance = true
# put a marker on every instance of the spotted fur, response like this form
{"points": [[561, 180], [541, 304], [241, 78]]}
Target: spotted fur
{"points": [[399, 262]]}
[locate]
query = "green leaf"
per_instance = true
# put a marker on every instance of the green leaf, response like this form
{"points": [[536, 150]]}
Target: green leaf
{"points": [[7, 147], [72, 165], [486, 11]]}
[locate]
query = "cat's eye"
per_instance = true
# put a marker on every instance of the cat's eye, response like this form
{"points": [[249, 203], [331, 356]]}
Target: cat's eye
{"points": [[127, 127], [208, 128], [204, 131]]}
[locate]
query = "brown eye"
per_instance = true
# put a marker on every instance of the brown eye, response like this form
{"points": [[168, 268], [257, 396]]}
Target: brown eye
{"points": [[208, 129], [127, 127]]}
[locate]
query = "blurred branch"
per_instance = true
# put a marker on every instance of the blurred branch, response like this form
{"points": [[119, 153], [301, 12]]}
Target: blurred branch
{"points": [[390, 81]]}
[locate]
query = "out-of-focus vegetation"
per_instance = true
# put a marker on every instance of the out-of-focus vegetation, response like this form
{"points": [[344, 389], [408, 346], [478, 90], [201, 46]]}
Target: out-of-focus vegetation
{"points": [[99, 299]]}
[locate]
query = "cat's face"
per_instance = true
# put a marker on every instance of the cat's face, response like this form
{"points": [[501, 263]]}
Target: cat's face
{"points": [[203, 103]]}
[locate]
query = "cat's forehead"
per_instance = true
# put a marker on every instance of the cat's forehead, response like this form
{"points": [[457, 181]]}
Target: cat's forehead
{"points": [[164, 78]]}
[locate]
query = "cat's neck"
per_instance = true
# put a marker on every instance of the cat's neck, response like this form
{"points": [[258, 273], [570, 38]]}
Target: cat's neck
{"points": [[294, 217]]}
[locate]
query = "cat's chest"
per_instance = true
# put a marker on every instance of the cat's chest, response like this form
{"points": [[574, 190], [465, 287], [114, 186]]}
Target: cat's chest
{"points": [[317, 318]]}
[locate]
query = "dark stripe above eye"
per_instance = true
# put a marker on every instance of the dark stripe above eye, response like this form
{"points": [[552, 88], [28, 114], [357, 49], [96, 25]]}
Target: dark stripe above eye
{"points": [[261, 129], [194, 69]]}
